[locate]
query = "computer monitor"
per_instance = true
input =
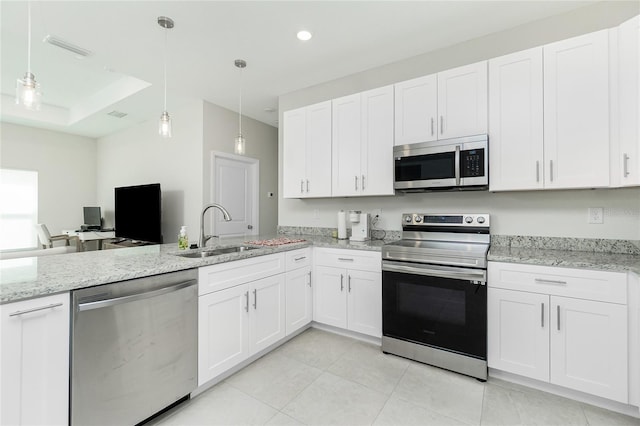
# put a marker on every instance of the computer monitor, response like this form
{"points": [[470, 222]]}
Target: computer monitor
{"points": [[92, 218]]}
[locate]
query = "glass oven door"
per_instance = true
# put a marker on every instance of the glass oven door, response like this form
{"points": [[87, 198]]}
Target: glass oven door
{"points": [[437, 306]]}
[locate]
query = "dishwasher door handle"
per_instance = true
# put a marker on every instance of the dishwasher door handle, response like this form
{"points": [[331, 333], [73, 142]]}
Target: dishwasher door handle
{"points": [[134, 297]]}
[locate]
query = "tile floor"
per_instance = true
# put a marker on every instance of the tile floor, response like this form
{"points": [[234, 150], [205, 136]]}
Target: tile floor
{"points": [[320, 378]]}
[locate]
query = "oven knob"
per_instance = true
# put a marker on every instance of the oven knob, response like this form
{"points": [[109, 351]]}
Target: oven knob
{"points": [[480, 219], [407, 219], [468, 219], [418, 219]]}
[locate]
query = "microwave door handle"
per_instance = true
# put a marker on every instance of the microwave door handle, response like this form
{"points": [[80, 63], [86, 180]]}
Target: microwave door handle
{"points": [[457, 165]]}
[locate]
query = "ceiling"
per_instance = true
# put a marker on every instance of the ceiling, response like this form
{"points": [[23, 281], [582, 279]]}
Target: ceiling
{"points": [[125, 70]]}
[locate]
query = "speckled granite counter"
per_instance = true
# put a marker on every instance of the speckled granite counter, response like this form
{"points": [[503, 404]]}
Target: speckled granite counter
{"points": [[38, 276]]}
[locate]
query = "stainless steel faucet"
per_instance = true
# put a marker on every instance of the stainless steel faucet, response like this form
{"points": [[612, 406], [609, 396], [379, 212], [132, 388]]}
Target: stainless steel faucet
{"points": [[204, 238]]}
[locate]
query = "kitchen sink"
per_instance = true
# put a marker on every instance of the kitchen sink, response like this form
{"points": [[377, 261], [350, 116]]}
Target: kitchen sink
{"points": [[216, 252]]}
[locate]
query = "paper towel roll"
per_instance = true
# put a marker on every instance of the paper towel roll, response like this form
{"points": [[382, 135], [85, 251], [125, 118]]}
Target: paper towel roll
{"points": [[342, 225]]}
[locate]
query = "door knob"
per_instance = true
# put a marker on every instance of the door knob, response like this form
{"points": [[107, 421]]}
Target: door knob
{"points": [[249, 226]]}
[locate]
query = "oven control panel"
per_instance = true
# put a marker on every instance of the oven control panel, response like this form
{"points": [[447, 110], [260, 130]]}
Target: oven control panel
{"points": [[446, 219]]}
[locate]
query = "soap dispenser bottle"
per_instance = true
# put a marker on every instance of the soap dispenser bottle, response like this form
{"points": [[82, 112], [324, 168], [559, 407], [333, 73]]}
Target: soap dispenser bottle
{"points": [[183, 239]]}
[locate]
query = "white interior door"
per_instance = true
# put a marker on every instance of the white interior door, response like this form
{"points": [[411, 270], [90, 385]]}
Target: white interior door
{"points": [[235, 186]]}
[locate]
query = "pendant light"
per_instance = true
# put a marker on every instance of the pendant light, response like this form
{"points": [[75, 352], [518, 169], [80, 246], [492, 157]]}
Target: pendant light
{"points": [[27, 89], [239, 145], [164, 128]]}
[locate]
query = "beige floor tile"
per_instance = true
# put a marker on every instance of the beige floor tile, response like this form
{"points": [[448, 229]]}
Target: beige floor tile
{"points": [[274, 379], [332, 400], [365, 363], [400, 412], [498, 408], [446, 393], [282, 419], [600, 417], [316, 348]]}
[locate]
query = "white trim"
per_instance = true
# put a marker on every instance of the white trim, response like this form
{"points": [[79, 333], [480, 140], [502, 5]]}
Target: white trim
{"points": [[255, 163]]}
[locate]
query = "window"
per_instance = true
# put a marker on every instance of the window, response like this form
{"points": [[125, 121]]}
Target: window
{"points": [[18, 209]]}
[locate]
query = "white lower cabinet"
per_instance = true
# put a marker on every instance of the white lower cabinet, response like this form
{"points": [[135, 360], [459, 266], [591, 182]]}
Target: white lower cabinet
{"points": [[299, 299], [348, 297], [266, 313], [565, 326], [35, 361]]}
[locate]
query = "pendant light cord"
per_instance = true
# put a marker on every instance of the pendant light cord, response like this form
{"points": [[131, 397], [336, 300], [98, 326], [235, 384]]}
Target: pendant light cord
{"points": [[29, 37], [165, 69], [240, 112]]}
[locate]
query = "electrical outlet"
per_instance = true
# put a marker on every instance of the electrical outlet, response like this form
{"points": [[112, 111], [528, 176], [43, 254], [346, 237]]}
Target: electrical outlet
{"points": [[596, 215], [376, 212], [316, 214]]}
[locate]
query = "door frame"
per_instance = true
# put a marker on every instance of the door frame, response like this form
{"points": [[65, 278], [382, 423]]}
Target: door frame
{"points": [[255, 170]]}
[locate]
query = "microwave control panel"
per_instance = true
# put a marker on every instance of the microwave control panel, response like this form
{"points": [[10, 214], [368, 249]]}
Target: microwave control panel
{"points": [[472, 163]]}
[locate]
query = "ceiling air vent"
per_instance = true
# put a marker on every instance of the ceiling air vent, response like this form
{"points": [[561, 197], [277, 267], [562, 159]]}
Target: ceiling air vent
{"points": [[117, 114], [56, 41]]}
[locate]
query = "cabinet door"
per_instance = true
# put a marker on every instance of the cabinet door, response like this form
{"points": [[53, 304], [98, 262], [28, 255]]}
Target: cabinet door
{"points": [[35, 361], [628, 161], [267, 324], [294, 153], [576, 112], [515, 121], [223, 330], [416, 110], [299, 300], [346, 145], [364, 312], [329, 296], [518, 332], [318, 151], [589, 347], [376, 167], [462, 101]]}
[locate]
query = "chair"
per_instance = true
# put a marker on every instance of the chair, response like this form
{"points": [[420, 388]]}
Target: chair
{"points": [[47, 240]]}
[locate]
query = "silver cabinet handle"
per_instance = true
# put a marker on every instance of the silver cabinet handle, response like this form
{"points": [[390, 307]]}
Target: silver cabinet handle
{"points": [[349, 283], [542, 315], [341, 282], [441, 124], [431, 126], [551, 170], [558, 311], [363, 182], [457, 165], [558, 282], [301, 186], [307, 185], [356, 187], [255, 298], [41, 308], [309, 278], [625, 165], [298, 259], [345, 259], [246, 306], [537, 171]]}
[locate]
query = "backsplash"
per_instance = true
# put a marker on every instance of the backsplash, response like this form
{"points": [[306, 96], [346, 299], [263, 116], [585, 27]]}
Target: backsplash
{"points": [[376, 234]]}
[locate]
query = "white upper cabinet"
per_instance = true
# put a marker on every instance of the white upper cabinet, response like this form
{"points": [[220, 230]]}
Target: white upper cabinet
{"points": [[416, 110], [626, 161], [576, 112], [446, 105], [462, 101], [307, 152], [516, 121], [362, 138]]}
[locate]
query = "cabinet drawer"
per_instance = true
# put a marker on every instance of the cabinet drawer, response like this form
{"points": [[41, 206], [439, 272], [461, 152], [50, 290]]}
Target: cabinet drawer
{"points": [[601, 286], [352, 259], [226, 275], [297, 258]]}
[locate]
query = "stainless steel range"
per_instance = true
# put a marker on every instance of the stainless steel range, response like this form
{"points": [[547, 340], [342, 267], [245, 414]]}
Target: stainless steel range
{"points": [[434, 293]]}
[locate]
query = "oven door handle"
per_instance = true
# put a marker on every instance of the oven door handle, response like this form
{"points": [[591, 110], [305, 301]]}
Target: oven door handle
{"points": [[454, 273]]}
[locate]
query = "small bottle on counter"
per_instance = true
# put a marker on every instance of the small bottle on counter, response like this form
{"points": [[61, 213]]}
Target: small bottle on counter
{"points": [[183, 239]]}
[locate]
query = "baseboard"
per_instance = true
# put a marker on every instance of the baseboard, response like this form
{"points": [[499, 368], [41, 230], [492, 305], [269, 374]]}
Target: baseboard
{"points": [[348, 333]]}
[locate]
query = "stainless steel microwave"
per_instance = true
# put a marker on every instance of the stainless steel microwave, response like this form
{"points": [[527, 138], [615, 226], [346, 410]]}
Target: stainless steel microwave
{"points": [[460, 163]]}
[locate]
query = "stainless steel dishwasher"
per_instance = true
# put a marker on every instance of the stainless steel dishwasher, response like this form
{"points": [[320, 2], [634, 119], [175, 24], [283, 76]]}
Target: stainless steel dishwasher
{"points": [[133, 348]]}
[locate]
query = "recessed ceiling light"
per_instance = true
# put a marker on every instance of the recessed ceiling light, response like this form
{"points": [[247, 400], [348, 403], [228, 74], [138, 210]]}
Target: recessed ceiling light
{"points": [[304, 35], [270, 109]]}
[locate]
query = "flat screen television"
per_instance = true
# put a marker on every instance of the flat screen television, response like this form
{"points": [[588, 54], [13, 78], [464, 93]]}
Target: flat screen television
{"points": [[138, 212]]}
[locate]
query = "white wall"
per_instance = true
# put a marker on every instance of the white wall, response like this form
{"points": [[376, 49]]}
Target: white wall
{"points": [[138, 156], [541, 213], [220, 129], [66, 171]]}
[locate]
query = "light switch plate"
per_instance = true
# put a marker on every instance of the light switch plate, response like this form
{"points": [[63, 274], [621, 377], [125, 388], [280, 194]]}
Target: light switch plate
{"points": [[596, 215]]}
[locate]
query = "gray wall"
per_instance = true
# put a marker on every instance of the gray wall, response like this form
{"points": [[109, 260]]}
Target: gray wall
{"points": [[543, 213], [66, 167]]}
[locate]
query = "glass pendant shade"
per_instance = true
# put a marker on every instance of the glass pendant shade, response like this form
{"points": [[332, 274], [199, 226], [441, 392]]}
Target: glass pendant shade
{"points": [[164, 128], [28, 92], [239, 145]]}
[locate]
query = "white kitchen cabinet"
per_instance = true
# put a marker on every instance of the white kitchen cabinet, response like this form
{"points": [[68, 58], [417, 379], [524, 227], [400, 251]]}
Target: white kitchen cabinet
{"points": [[298, 290], [564, 326], [307, 151], [576, 112], [362, 143], [416, 110], [348, 290], [35, 361], [626, 161], [266, 313], [462, 101], [516, 121]]}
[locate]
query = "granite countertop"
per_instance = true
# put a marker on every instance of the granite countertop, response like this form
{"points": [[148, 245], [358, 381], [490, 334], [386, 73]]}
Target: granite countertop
{"points": [[32, 277], [618, 262]]}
